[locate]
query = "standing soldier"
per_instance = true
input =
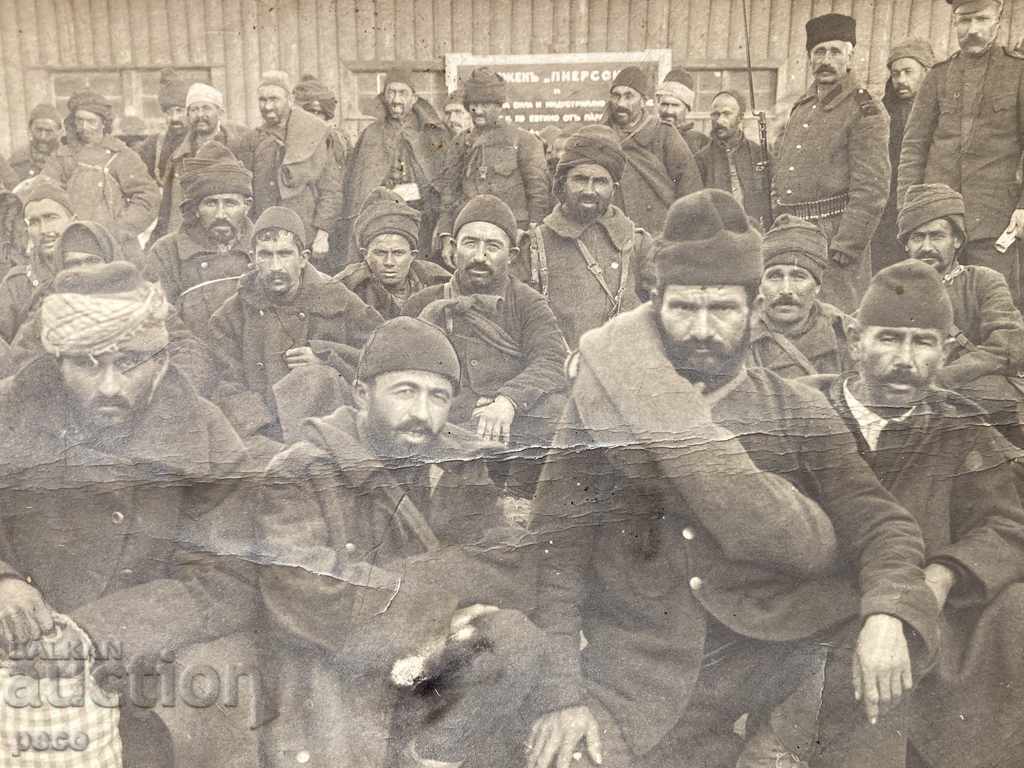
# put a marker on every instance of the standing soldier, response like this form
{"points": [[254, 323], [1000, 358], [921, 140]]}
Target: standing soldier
{"points": [[833, 167], [44, 132], [908, 63], [659, 165], [156, 151], [495, 158], [676, 97], [965, 131], [587, 257]]}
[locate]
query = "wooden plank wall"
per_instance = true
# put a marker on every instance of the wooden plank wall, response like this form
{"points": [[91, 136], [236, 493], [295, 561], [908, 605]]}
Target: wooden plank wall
{"points": [[238, 39]]}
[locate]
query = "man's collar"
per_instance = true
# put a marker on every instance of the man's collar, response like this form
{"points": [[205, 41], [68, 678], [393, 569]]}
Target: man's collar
{"points": [[955, 270], [619, 228], [194, 240]]}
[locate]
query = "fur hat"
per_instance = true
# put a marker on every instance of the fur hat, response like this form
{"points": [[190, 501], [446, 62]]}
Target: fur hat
{"points": [[908, 294], [173, 89], [491, 209], [831, 26], [385, 212], [632, 77], [793, 241], [408, 344], [485, 86], [594, 144]]}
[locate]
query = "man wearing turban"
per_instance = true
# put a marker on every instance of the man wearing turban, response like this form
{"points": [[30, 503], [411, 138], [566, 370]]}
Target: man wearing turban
{"points": [[386, 235], [136, 531], [587, 256]]}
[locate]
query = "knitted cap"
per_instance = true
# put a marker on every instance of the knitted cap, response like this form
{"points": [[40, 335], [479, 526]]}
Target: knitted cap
{"points": [[279, 217], [43, 112], [740, 98], [928, 202], [398, 75], [88, 237], [485, 86], [594, 144], [970, 6], [311, 91], [708, 240], [634, 78], [44, 189], [912, 48], [201, 93], [679, 84], [385, 212], [91, 101], [488, 208], [831, 26], [409, 344], [214, 170], [172, 91], [792, 240], [276, 78], [908, 294]]}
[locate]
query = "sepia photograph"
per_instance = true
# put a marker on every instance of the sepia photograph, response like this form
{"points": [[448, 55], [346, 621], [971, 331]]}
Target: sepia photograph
{"points": [[511, 384]]}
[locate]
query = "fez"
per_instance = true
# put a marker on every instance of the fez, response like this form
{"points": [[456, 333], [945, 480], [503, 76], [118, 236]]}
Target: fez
{"points": [[908, 294]]}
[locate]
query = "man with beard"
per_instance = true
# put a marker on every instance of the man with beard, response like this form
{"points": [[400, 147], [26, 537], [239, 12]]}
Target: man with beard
{"points": [[675, 98], [933, 451], [156, 151], [456, 117], [204, 109], [965, 131], [387, 233], [511, 350], [107, 181], [44, 132], [48, 212], [198, 266], [495, 158], [293, 164], [831, 166], [404, 151], [288, 340], [987, 354], [586, 257], [390, 569], [730, 159], [909, 61], [794, 333], [659, 165], [139, 532], [684, 468]]}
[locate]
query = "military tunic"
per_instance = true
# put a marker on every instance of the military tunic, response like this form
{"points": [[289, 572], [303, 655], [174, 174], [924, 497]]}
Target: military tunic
{"points": [[819, 346], [833, 168]]}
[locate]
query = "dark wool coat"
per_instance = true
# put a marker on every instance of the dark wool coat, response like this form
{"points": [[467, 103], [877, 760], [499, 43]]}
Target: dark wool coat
{"points": [[822, 343], [713, 161], [694, 139], [958, 478], [354, 587], [982, 166], [784, 535], [140, 534], [885, 248], [156, 151], [26, 162], [185, 259], [574, 294], [527, 378], [504, 161], [108, 183], [16, 291], [301, 173], [659, 169], [8, 176], [360, 280], [249, 336], [833, 145]]}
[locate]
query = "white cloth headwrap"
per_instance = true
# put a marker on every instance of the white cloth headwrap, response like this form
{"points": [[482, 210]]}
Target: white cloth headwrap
{"points": [[676, 90], [201, 92], [94, 323]]}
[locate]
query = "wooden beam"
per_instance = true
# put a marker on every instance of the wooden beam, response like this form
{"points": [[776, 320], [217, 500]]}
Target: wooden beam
{"points": [[637, 26], [159, 33], [480, 11], [778, 40], [797, 74], [561, 25], [443, 27], [100, 25], [618, 25], [121, 40], [178, 32], [657, 24], [49, 35], [598, 26], [287, 14], [520, 33], [679, 30], [83, 32], [138, 19], [366, 37], [251, 56], [424, 41], [385, 29], [700, 24]]}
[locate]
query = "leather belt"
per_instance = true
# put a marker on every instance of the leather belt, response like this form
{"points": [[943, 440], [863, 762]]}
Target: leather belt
{"points": [[815, 210]]}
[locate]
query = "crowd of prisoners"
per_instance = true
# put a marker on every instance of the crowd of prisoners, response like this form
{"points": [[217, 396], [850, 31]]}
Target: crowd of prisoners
{"points": [[620, 445]]}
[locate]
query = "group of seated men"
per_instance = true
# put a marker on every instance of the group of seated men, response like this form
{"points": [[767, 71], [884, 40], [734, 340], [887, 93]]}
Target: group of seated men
{"points": [[560, 505]]}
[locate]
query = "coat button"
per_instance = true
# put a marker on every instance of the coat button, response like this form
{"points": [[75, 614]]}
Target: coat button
{"points": [[696, 583], [302, 315], [474, 363], [205, 264], [261, 313], [259, 365], [792, 168], [350, 547], [302, 757], [688, 533], [615, 265], [799, 146], [117, 517], [28, 579], [126, 571], [806, 125]]}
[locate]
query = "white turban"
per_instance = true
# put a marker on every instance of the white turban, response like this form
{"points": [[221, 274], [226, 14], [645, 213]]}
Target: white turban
{"points": [[203, 93]]}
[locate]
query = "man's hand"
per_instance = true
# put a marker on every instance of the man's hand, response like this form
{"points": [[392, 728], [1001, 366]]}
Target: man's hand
{"points": [[24, 616], [940, 580], [556, 735], [841, 258], [1016, 224], [298, 356], [494, 418], [320, 245], [881, 666]]}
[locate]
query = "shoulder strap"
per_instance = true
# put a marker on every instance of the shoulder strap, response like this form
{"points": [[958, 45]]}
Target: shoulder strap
{"points": [[598, 273], [410, 516], [791, 349], [449, 321], [538, 261]]}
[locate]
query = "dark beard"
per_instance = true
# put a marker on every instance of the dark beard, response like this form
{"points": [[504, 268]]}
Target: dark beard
{"points": [[585, 215], [729, 365]]}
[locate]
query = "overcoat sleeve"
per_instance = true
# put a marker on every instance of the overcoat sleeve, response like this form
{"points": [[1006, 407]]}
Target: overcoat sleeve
{"points": [[917, 137], [868, 148]]}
